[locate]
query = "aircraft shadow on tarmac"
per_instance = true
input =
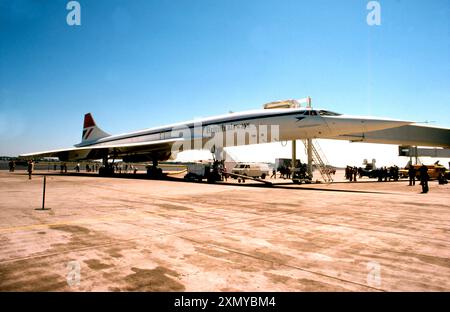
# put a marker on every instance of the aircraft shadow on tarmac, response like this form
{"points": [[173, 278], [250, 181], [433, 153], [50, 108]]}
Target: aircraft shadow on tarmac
{"points": [[165, 177]]}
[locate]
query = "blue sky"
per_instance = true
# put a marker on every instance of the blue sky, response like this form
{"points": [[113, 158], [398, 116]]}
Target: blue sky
{"points": [[137, 64]]}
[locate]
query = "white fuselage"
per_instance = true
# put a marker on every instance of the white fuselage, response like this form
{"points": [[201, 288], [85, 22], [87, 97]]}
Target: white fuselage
{"points": [[259, 126]]}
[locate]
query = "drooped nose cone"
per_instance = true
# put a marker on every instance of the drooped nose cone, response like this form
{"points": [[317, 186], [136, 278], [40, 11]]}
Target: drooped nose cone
{"points": [[356, 124]]}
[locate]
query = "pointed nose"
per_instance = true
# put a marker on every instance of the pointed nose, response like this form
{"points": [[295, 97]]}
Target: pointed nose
{"points": [[381, 124], [351, 124]]}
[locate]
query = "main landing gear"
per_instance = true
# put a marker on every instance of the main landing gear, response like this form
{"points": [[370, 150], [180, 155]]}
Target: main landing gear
{"points": [[153, 171]]}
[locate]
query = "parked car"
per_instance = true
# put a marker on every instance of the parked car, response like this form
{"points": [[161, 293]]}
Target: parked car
{"points": [[433, 171], [254, 170]]}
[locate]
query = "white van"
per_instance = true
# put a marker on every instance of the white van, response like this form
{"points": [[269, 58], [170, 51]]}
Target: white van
{"points": [[255, 170]]}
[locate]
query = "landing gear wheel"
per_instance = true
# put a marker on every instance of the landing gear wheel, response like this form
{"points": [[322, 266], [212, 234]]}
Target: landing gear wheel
{"points": [[154, 172]]}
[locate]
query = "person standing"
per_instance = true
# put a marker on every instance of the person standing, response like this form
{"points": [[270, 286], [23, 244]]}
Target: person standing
{"points": [[12, 166], [441, 177], [30, 169], [396, 175], [225, 173], [423, 171], [412, 175], [380, 174]]}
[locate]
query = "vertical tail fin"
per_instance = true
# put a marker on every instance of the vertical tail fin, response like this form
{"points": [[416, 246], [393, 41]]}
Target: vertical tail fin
{"points": [[90, 130]]}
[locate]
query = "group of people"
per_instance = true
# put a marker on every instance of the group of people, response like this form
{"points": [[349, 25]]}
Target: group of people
{"points": [[301, 169], [423, 176], [63, 167], [119, 168], [388, 174], [88, 168], [93, 168], [382, 174], [285, 172], [351, 173], [392, 173]]}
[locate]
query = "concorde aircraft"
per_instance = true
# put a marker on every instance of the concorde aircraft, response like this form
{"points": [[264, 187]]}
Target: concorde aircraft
{"points": [[257, 126]]}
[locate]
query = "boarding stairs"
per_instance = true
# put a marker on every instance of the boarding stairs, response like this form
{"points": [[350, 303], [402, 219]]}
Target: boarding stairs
{"points": [[319, 160]]}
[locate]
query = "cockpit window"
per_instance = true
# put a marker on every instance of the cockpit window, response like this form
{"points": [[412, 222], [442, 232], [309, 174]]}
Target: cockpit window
{"points": [[309, 113], [328, 113], [320, 112]]}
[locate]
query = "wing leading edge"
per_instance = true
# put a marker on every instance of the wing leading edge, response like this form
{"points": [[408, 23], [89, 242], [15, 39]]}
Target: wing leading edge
{"points": [[100, 151]]}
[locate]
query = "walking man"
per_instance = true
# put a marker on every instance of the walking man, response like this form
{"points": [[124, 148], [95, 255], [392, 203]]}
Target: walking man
{"points": [[12, 166], [412, 175], [30, 169], [225, 173], [423, 171]]}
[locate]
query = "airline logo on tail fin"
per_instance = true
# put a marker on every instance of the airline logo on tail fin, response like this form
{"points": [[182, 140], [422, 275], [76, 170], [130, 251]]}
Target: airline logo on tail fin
{"points": [[90, 130]]}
